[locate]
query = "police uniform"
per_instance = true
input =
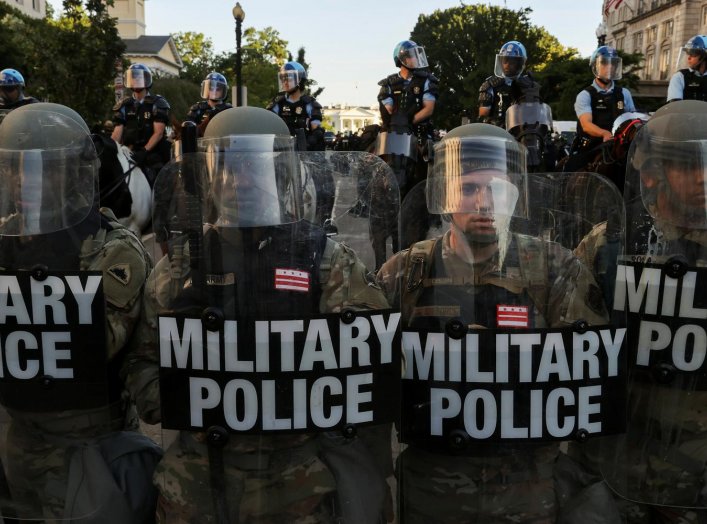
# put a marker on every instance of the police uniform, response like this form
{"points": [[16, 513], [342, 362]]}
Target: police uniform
{"points": [[201, 112], [138, 119], [8, 106], [495, 483], [290, 472], [605, 106], [687, 84], [498, 94], [299, 115], [407, 98]]}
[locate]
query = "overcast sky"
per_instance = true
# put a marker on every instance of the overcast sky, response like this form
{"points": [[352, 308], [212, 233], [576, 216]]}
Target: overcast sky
{"points": [[349, 43]]}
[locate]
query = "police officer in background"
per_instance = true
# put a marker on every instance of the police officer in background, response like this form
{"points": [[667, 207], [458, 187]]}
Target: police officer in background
{"points": [[214, 91], [509, 85], [62, 426], [690, 81], [12, 90], [464, 280], [141, 119], [251, 216], [297, 109], [408, 97], [598, 105]]}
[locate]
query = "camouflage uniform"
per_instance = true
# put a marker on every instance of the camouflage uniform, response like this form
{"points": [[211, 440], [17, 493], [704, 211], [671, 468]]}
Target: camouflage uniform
{"points": [[495, 485], [272, 478]]}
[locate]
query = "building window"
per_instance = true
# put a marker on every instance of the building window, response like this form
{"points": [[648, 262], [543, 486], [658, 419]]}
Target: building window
{"points": [[667, 28], [641, 7], [652, 34], [704, 15], [650, 64], [664, 63], [35, 5], [637, 42], [620, 43]]}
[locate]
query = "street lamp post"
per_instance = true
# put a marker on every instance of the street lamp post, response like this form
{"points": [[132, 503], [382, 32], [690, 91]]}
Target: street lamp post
{"points": [[239, 15], [601, 32]]}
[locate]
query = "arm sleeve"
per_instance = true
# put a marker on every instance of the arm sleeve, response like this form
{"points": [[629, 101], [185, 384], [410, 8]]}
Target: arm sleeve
{"points": [[629, 106], [676, 87], [583, 103]]}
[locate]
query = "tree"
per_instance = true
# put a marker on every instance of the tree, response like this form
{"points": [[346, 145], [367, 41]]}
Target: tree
{"points": [[197, 52], [462, 55], [181, 95]]}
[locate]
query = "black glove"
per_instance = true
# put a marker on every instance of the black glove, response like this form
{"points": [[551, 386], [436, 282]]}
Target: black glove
{"points": [[140, 156]]}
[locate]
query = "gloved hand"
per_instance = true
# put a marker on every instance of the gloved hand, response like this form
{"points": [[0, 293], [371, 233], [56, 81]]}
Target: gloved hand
{"points": [[140, 156]]}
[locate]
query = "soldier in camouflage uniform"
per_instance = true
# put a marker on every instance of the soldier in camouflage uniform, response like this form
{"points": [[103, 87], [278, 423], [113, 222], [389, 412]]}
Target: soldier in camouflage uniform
{"points": [[266, 478], [477, 184], [54, 225]]}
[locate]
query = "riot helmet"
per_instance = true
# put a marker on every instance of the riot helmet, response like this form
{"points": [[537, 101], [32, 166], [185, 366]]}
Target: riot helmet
{"points": [[667, 162], [478, 180], [138, 77], [409, 55], [693, 54], [48, 170], [291, 77], [605, 64], [12, 85], [510, 60], [214, 87], [253, 171]]}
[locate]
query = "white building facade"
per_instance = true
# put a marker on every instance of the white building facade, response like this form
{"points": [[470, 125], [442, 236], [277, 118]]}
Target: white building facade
{"points": [[345, 118], [33, 8]]}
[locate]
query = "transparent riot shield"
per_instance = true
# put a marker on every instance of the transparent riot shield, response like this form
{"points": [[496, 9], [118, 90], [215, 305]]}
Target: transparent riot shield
{"points": [[508, 347], [279, 357], [660, 286], [531, 124], [56, 382]]}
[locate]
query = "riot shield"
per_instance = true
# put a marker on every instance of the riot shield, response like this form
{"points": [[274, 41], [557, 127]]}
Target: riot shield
{"points": [[531, 123], [278, 353], [660, 286], [507, 343], [55, 382]]}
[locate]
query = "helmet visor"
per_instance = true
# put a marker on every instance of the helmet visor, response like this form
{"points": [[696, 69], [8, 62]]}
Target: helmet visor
{"points": [[138, 79], [213, 90], [254, 180], [413, 57], [484, 176], [690, 57], [288, 80], [607, 68], [509, 66], [47, 174]]}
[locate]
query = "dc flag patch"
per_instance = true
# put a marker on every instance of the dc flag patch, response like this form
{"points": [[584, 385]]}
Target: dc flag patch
{"points": [[291, 280], [512, 316]]}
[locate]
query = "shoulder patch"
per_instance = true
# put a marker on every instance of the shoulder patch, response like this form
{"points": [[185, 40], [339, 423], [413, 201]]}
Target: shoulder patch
{"points": [[120, 272]]}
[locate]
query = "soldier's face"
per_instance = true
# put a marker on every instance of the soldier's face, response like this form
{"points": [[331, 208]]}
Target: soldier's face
{"points": [[10, 93], [684, 192]]}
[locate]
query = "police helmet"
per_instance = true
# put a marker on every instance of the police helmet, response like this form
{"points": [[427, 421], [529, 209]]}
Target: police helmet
{"points": [[138, 76], [695, 47], [254, 171], [409, 55], [478, 149], [605, 63], [292, 76], [48, 170], [11, 78], [214, 87], [510, 60]]}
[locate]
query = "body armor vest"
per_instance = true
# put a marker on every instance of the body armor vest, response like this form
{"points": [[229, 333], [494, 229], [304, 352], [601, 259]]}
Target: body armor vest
{"points": [[407, 100], [606, 107], [695, 86]]}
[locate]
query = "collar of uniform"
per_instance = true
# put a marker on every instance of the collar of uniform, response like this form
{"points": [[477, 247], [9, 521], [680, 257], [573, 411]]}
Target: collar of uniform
{"points": [[459, 270], [696, 72], [600, 90]]}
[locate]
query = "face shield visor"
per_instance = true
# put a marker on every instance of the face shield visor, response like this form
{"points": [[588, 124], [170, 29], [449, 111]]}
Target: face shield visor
{"points": [[288, 80], [671, 170], [509, 66], [413, 58], [48, 167], [138, 79], [690, 57], [213, 90], [254, 180], [607, 68]]}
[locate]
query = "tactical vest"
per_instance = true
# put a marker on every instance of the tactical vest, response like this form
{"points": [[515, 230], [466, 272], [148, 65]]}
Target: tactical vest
{"points": [[430, 297], [139, 120], [606, 107], [407, 99], [504, 95], [294, 113], [19, 103], [695, 86]]}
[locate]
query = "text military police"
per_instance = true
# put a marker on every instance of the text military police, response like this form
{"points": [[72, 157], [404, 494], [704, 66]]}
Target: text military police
{"points": [[76, 277], [140, 120], [257, 260], [480, 275]]}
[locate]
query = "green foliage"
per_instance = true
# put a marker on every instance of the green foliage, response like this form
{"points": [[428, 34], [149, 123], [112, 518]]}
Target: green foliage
{"points": [[197, 52], [70, 60], [462, 54], [181, 95]]}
